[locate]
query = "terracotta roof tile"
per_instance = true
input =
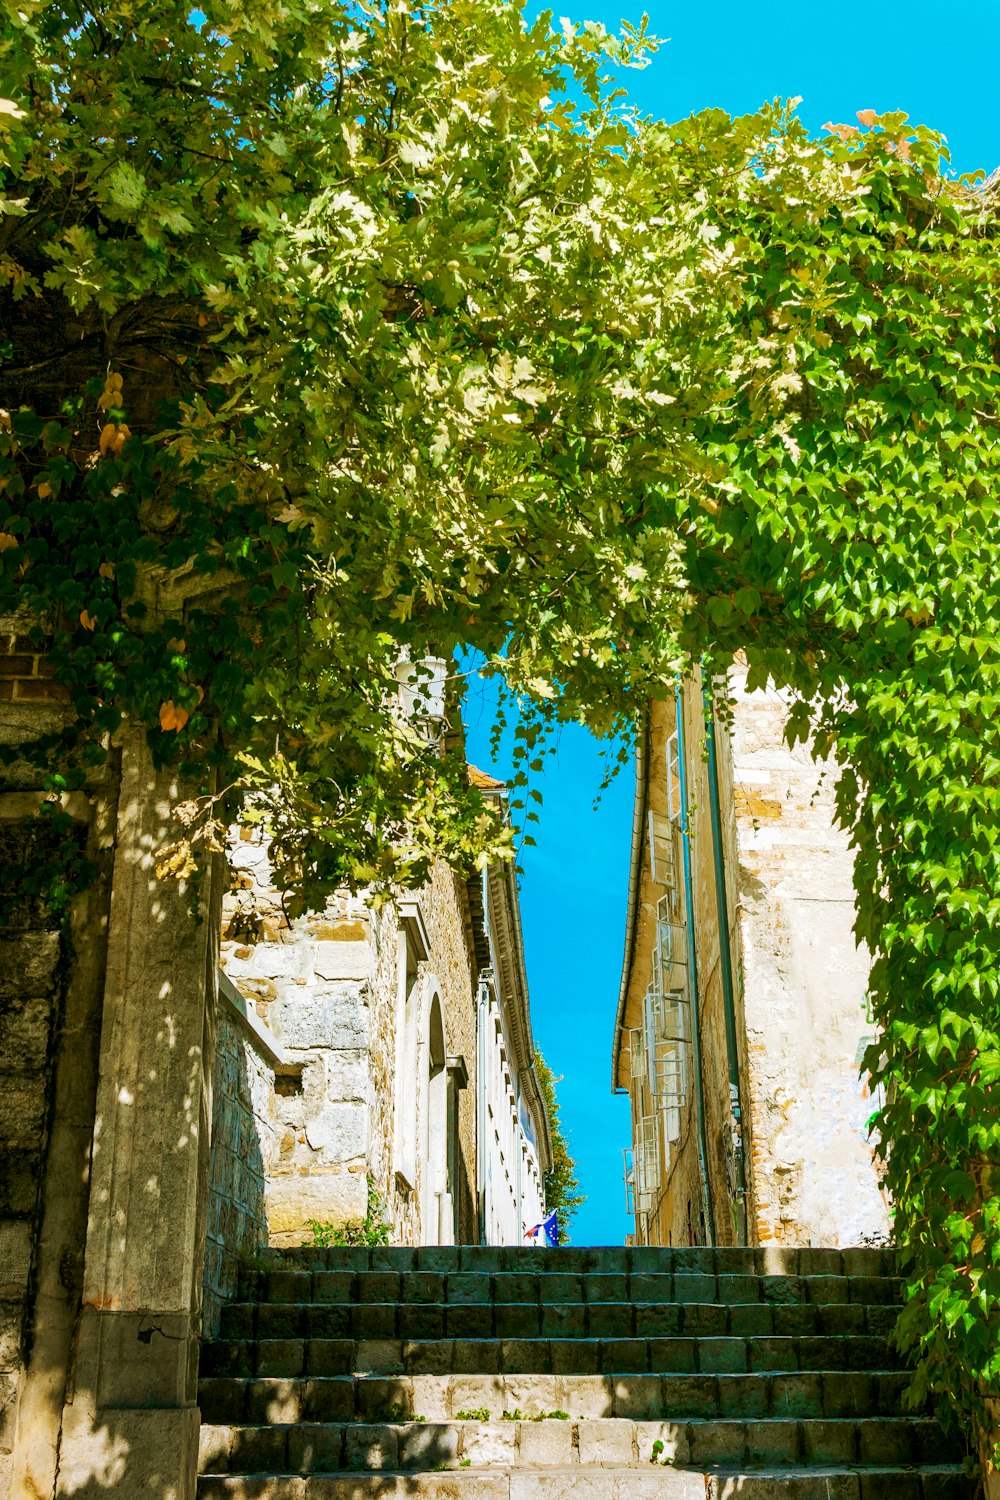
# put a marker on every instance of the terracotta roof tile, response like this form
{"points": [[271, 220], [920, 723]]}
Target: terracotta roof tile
{"points": [[485, 783]]}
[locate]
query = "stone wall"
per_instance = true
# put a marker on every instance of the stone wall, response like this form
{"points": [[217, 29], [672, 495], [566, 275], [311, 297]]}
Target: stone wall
{"points": [[244, 1147], [805, 980], [30, 1000], [799, 991], [328, 987]]}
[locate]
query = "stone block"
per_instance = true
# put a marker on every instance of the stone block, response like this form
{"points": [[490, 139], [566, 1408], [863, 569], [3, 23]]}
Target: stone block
{"points": [[380, 1398], [259, 1450], [310, 1017], [429, 1287], [556, 1286], [22, 1110], [515, 1286], [649, 1287], [280, 1357], [704, 1319], [641, 1397], [585, 1395], [343, 960], [692, 1287], [887, 1441], [213, 1448], [430, 1356], [752, 1319], [829, 1442], [474, 1322], [380, 1356], [560, 1484], [28, 963], [334, 1399], [372, 1446], [15, 1257], [609, 1320], [717, 1442], [425, 1445], [575, 1356], [338, 1133], [431, 1397], [518, 1320], [673, 1437], [624, 1356], [773, 1442], [374, 1320], [657, 1320], [848, 1395], [328, 1196], [489, 1444], [561, 1320], [796, 1396], [336, 1357], [477, 1356], [474, 1393], [772, 1354], [425, 1320], [526, 1356], [332, 1321], [606, 1444], [532, 1394], [545, 1445], [673, 1356], [722, 1356], [315, 1447], [334, 1286], [465, 1287]]}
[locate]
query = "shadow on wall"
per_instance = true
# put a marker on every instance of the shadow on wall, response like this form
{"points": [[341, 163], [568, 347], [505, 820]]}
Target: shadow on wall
{"points": [[242, 1105]]}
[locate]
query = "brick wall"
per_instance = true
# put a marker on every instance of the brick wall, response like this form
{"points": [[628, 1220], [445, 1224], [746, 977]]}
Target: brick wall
{"points": [[25, 673]]}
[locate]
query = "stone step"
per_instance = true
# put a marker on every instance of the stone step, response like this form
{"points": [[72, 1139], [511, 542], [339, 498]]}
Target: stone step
{"points": [[293, 1320], [538, 1289], [773, 1260], [565, 1356], [552, 1442], [376, 1398], [943, 1482]]}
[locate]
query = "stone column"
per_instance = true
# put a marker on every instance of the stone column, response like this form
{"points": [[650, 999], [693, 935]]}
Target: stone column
{"points": [[130, 1425]]}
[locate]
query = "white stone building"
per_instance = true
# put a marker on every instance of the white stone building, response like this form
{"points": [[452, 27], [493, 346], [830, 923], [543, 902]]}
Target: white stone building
{"points": [[742, 1017], [366, 1049]]}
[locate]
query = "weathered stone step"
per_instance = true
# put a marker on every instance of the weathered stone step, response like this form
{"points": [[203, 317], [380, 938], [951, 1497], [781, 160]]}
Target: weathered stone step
{"points": [[294, 1320], [552, 1287], [368, 1398], [305, 1448], [944, 1482], [772, 1260], [566, 1356]]}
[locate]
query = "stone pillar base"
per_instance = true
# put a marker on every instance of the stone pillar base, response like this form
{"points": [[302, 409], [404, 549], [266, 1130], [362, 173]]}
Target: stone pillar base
{"points": [[132, 1453]]}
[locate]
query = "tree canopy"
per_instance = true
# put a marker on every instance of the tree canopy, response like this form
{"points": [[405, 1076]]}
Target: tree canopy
{"points": [[398, 331]]}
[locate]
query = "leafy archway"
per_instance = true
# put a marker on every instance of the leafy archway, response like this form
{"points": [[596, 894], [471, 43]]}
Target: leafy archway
{"points": [[355, 316]]}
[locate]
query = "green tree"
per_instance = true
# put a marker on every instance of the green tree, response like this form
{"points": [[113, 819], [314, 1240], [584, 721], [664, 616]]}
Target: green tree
{"points": [[562, 1186], [367, 320]]}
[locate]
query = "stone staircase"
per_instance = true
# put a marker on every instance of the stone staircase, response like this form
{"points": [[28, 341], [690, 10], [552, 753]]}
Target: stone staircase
{"points": [[470, 1373]]}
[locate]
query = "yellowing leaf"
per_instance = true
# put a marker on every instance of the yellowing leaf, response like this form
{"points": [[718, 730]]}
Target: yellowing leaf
{"points": [[7, 541], [88, 621], [112, 438], [44, 490], [867, 117], [107, 570], [172, 716]]}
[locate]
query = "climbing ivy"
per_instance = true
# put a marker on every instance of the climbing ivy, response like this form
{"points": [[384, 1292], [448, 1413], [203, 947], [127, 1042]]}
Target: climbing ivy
{"points": [[379, 331]]}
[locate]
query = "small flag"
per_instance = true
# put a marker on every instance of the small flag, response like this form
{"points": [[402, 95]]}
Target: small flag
{"points": [[549, 1231]]}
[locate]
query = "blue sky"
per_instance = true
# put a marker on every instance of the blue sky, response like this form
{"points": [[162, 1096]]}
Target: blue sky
{"points": [[937, 67]]}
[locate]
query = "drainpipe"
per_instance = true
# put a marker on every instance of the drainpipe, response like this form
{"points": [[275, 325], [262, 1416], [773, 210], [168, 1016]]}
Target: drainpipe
{"points": [[482, 1015], [699, 1095], [726, 964]]}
